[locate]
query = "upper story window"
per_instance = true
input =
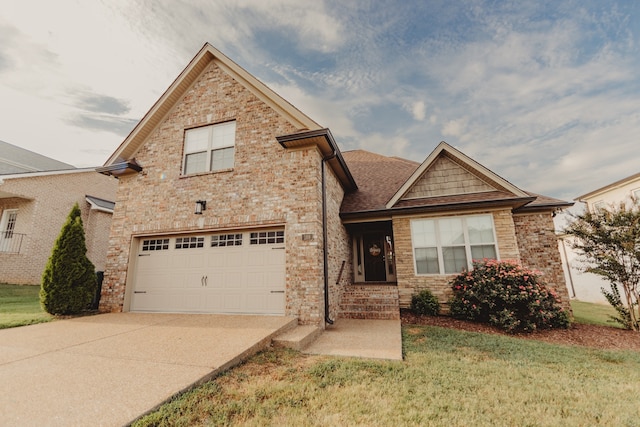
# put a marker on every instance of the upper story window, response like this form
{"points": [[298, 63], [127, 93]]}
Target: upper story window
{"points": [[209, 148], [449, 245], [636, 196]]}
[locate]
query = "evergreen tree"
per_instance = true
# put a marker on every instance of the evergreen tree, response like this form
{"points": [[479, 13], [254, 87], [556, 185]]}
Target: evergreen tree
{"points": [[69, 279]]}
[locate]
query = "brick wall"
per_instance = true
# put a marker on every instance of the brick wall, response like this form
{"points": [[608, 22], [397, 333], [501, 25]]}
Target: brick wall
{"points": [[268, 185], [43, 207], [409, 283], [529, 239], [538, 245]]}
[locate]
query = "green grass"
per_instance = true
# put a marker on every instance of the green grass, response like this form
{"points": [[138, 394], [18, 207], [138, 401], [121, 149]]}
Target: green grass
{"points": [[448, 378], [594, 314], [20, 305]]}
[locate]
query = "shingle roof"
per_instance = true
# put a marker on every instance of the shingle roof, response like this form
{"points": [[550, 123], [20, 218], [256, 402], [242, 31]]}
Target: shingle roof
{"points": [[14, 159], [380, 177]]}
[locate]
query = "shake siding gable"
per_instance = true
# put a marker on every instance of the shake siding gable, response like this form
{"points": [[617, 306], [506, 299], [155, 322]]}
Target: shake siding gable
{"points": [[445, 177]]}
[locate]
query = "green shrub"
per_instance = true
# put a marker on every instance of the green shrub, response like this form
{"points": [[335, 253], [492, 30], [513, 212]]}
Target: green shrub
{"points": [[69, 279], [425, 303], [506, 295]]}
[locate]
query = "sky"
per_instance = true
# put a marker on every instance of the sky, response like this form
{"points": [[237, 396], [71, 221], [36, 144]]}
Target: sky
{"points": [[544, 93]]}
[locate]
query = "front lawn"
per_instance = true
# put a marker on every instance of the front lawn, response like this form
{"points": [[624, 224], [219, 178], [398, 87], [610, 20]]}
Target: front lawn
{"points": [[449, 377], [20, 305], [594, 314]]}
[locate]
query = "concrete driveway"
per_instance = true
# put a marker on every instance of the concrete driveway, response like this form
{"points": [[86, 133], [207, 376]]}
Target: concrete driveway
{"points": [[109, 369]]}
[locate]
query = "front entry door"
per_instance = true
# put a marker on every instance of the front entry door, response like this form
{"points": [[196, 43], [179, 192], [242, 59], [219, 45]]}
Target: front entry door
{"points": [[374, 258]]}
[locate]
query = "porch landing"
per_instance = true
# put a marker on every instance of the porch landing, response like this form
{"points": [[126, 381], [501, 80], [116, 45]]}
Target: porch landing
{"points": [[370, 339]]}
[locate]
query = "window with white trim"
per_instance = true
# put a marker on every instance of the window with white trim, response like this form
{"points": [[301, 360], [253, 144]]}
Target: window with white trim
{"points": [[209, 148], [7, 228], [449, 245], [8, 222]]}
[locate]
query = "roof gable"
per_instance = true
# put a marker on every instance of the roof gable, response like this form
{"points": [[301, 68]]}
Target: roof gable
{"points": [[129, 147], [449, 172]]}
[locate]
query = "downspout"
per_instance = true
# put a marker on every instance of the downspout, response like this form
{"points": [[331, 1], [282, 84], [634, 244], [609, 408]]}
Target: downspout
{"points": [[325, 237]]}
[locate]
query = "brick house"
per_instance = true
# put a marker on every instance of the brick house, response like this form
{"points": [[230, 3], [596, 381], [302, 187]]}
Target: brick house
{"points": [[231, 200], [33, 208]]}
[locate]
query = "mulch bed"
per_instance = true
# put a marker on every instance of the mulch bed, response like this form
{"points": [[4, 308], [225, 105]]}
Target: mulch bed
{"points": [[602, 337]]}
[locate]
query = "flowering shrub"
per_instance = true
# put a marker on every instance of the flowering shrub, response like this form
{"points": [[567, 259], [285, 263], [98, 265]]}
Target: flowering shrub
{"points": [[424, 302], [506, 295]]}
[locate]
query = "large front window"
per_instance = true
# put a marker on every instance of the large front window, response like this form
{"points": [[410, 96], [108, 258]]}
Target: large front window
{"points": [[449, 245], [209, 148]]}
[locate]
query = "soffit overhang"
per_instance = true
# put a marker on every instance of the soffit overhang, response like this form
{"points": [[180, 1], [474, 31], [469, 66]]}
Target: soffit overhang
{"points": [[455, 207], [323, 140]]}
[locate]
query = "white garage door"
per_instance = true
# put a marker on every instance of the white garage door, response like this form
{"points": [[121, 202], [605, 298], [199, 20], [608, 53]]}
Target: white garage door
{"points": [[231, 272]]}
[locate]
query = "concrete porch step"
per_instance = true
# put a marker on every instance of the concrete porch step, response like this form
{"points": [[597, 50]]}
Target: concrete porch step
{"points": [[297, 338]]}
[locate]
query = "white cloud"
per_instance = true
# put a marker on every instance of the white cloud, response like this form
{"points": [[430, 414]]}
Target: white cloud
{"points": [[418, 110]]}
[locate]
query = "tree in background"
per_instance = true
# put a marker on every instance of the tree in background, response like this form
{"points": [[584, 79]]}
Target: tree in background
{"points": [[609, 241], [69, 279]]}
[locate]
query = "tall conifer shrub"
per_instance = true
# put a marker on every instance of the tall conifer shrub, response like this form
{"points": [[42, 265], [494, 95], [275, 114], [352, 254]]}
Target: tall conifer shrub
{"points": [[69, 279]]}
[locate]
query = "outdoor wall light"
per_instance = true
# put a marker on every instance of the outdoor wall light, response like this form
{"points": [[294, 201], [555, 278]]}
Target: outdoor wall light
{"points": [[201, 205]]}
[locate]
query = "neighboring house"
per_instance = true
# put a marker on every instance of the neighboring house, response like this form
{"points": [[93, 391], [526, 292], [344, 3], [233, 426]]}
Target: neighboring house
{"points": [[34, 206], [231, 200], [14, 159], [586, 286]]}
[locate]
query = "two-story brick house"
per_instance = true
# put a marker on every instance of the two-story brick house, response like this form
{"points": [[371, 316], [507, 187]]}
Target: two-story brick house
{"points": [[231, 200]]}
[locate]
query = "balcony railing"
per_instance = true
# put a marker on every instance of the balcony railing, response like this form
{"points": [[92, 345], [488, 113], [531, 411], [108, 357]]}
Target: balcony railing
{"points": [[11, 242]]}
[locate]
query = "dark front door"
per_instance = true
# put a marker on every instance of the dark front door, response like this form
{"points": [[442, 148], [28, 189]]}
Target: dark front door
{"points": [[374, 258]]}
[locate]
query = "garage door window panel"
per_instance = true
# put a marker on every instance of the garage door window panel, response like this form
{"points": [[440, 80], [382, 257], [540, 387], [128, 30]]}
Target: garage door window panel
{"points": [[155, 245], [224, 240], [267, 237], [189, 242]]}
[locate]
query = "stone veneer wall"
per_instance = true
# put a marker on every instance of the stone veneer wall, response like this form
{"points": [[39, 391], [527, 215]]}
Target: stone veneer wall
{"points": [[539, 250], [43, 209], [409, 283], [268, 186]]}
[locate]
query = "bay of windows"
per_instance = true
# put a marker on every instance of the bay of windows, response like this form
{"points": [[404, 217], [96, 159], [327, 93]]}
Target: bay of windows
{"points": [[449, 245]]}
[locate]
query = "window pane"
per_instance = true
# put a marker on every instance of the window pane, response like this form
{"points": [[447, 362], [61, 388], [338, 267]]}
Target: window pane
{"points": [[455, 259], [222, 159], [196, 140], [196, 162], [480, 229], [451, 231], [427, 261], [483, 251], [224, 135], [423, 233]]}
